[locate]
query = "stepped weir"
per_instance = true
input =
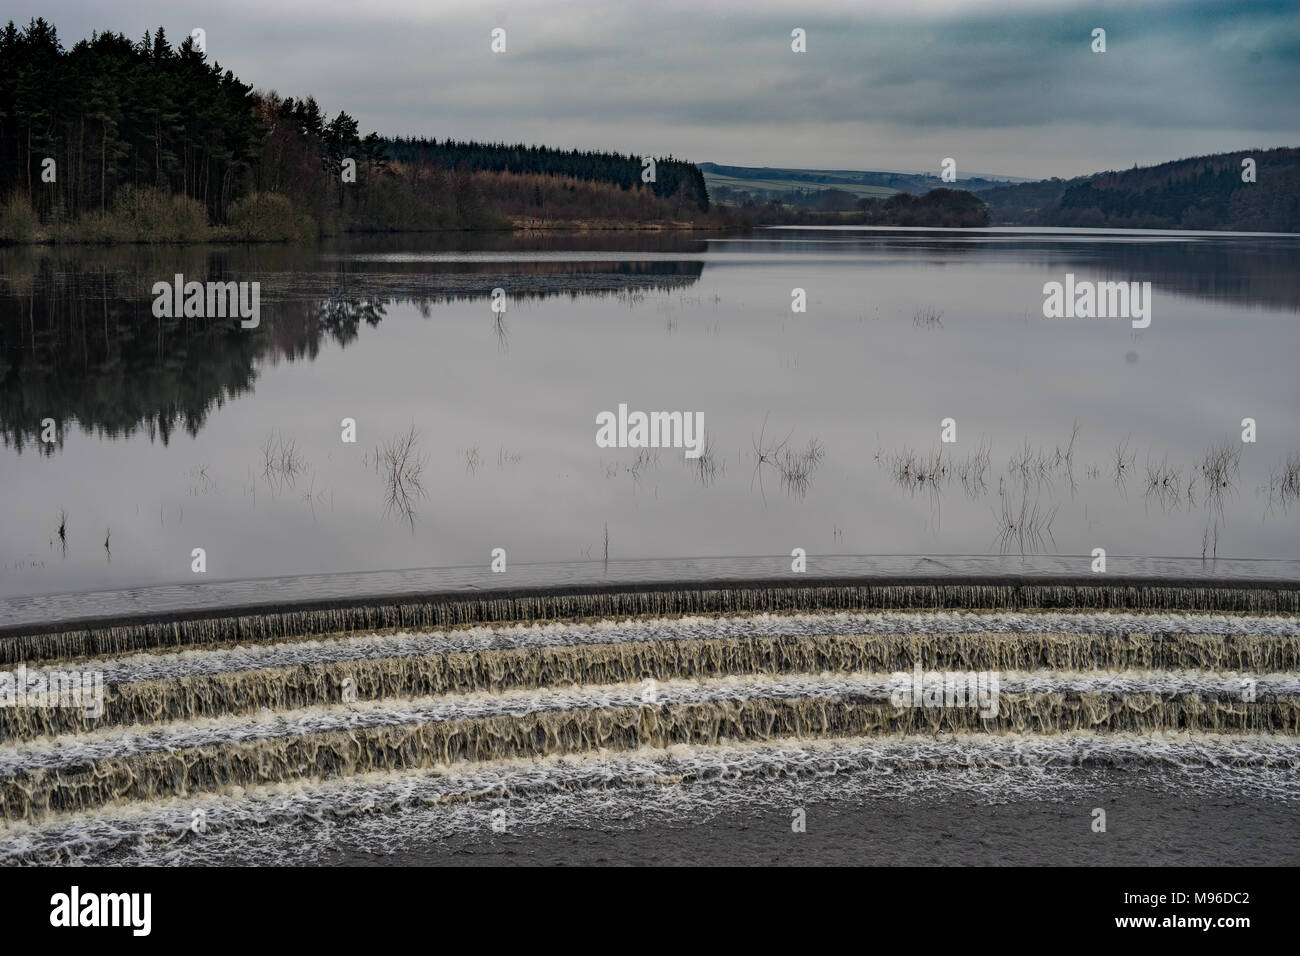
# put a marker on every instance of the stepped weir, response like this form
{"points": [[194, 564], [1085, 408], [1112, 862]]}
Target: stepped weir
{"points": [[209, 712]]}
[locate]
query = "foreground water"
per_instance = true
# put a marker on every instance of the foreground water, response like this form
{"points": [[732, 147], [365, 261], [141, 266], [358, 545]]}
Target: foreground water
{"points": [[934, 803], [823, 427]]}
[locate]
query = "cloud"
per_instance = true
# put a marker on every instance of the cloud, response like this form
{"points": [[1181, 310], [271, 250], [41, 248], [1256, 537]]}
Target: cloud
{"points": [[1003, 86]]}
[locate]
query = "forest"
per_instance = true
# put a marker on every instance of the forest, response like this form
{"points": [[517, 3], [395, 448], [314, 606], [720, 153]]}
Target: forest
{"points": [[1202, 192], [116, 139], [675, 180]]}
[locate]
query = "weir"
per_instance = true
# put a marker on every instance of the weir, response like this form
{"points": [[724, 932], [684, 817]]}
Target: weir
{"points": [[307, 685], [323, 756], [208, 705]]}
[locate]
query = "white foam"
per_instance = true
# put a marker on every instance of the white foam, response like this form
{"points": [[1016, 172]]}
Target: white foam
{"points": [[193, 662]]}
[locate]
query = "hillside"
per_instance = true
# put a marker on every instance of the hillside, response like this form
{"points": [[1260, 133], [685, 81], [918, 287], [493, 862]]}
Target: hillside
{"points": [[1203, 192], [805, 187], [949, 208]]}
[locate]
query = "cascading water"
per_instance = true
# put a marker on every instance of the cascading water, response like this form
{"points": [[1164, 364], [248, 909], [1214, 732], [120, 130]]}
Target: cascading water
{"points": [[331, 708]]}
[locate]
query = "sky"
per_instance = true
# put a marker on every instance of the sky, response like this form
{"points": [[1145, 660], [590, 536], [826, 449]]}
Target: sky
{"points": [[1008, 87]]}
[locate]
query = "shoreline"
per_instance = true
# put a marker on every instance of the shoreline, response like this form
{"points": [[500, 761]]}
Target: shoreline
{"points": [[516, 228], [585, 227]]}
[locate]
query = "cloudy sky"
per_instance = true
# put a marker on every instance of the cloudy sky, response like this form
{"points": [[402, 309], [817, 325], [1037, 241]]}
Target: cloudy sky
{"points": [[1003, 86]]}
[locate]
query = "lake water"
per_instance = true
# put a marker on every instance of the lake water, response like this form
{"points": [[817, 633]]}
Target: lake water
{"points": [[822, 427]]}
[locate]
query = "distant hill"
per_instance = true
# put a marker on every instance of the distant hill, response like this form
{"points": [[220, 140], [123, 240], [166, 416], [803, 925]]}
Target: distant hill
{"points": [[953, 208], [803, 187], [1203, 192]]}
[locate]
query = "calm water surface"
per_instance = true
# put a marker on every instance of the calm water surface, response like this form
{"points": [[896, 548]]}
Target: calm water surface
{"points": [[823, 427]]}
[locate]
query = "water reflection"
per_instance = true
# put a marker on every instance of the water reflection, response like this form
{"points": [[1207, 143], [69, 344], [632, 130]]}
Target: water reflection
{"points": [[79, 343], [475, 426]]}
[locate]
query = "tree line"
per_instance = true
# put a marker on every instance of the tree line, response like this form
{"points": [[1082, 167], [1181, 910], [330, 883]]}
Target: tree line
{"points": [[672, 177], [116, 138], [112, 112]]}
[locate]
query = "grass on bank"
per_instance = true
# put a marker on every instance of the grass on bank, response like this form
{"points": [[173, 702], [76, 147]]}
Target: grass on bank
{"points": [[143, 214]]}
